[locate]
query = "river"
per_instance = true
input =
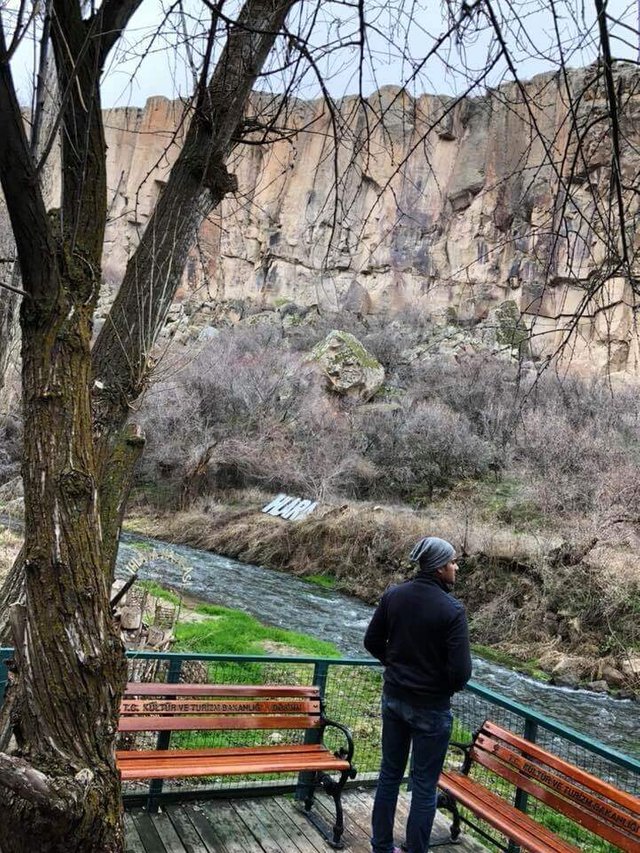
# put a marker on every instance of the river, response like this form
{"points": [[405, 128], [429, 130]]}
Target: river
{"points": [[281, 599]]}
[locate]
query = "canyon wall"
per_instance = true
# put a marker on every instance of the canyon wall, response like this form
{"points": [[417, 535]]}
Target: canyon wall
{"points": [[452, 207]]}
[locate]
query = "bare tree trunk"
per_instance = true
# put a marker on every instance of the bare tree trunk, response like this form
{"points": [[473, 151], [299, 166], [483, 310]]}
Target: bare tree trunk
{"points": [[60, 790], [193, 479], [123, 352], [13, 592]]}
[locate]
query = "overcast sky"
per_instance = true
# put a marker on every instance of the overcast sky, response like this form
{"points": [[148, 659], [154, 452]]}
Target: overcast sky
{"points": [[152, 60]]}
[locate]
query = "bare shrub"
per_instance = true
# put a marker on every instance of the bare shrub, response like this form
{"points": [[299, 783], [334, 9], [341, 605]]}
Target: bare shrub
{"points": [[246, 411], [567, 462], [423, 447], [486, 390]]}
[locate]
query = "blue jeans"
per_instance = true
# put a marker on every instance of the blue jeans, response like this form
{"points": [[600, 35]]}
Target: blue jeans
{"points": [[428, 732]]}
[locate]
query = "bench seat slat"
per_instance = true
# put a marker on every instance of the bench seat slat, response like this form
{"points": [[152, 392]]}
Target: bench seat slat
{"points": [[601, 787], [529, 834], [160, 754], [133, 765], [216, 766], [299, 761], [591, 812], [183, 724], [146, 688], [160, 705]]}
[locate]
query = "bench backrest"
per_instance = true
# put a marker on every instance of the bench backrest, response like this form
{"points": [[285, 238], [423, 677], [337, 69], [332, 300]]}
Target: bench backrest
{"points": [[189, 707], [591, 802]]}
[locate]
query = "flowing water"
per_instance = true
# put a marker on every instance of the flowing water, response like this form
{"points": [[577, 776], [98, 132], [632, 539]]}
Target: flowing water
{"points": [[280, 599]]}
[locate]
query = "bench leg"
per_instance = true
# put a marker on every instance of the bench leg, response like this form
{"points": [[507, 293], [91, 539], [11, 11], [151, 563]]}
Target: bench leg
{"points": [[310, 792], [333, 835], [335, 790], [446, 801], [155, 788]]}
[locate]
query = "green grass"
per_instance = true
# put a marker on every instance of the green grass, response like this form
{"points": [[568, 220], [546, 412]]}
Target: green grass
{"points": [[158, 591], [234, 632], [325, 581], [228, 631]]}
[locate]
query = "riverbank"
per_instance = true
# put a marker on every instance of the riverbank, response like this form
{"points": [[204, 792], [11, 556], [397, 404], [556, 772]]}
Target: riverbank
{"points": [[532, 603]]}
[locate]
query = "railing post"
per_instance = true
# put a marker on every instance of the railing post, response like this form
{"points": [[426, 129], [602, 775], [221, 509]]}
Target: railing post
{"points": [[521, 797], [5, 654], [164, 738], [305, 778]]}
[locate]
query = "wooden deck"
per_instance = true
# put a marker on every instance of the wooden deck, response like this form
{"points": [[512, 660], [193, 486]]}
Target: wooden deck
{"points": [[263, 825]]}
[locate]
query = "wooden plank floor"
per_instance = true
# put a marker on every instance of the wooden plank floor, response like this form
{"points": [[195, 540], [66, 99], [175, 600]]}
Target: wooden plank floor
{"points": [[264, 825]]}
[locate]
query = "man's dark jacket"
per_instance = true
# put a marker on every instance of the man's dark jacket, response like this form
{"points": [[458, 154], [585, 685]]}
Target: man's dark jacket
{"points": [[419, 633]]}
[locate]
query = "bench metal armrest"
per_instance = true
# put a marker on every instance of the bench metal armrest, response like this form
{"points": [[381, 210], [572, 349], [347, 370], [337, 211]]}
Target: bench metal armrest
{"points": [[345, 731]]}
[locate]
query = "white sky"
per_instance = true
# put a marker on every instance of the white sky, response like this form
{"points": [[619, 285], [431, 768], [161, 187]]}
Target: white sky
{"points": [[396, 45]]}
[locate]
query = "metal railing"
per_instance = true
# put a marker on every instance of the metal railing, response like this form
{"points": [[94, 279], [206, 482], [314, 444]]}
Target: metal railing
{"points": [[351, 691]]}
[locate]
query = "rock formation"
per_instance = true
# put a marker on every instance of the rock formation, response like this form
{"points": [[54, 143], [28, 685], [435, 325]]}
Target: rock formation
{"points": [[349, 370], [455, 208]]}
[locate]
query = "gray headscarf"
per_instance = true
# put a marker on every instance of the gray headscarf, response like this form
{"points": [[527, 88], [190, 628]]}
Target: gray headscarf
{"points": [[432, 553]]}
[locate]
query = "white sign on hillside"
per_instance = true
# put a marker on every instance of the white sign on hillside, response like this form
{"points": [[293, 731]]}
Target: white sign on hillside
{"points": [[293, 509]]}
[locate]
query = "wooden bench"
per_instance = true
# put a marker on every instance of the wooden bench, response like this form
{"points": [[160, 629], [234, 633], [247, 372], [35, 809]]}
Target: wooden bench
{"points": [[148, 707], [596, 805]]}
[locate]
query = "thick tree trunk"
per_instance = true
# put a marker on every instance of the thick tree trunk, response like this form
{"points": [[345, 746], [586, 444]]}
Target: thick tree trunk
{"points": [[61, 786]]}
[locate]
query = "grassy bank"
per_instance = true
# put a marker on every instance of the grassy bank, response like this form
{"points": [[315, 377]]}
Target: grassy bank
{"points": [[212, 629], [227, 631]]}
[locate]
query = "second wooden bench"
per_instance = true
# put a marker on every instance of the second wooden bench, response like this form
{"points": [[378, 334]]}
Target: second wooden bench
{"points": [[148, 707], [497, 754]]}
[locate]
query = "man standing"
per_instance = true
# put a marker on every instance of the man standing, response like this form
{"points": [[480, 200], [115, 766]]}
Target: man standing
{"points": [[419, 633]]}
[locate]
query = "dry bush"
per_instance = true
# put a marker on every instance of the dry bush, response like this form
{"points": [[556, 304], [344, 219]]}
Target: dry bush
{"points": [[10, 544], [421, 447], [486, 390]]}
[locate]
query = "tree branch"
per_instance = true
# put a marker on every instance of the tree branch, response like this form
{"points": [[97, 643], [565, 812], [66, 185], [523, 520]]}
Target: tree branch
{"points": [[612, 100], [29, 221], [13, 289], [110, 20]]}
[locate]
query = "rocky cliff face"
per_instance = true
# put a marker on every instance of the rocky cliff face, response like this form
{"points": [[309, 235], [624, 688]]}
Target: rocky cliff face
{"points": [[456, 208]]}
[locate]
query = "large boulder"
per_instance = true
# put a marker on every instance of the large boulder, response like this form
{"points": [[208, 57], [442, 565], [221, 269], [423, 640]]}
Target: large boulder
{"points": [[348, 368]]}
